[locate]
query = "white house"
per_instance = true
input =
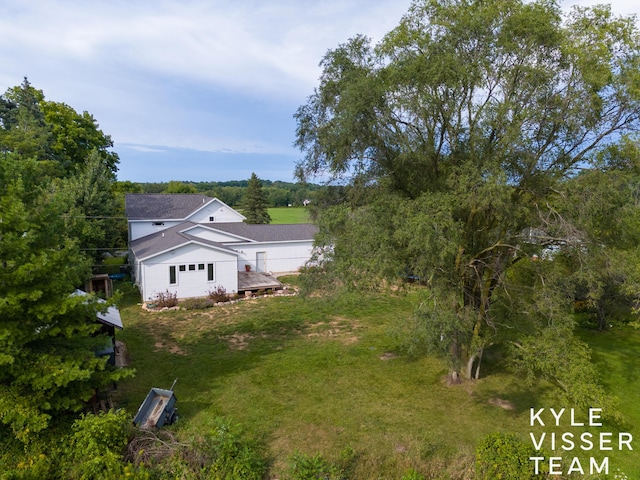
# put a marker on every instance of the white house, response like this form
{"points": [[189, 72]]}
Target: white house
{"points": [[191, 244]]}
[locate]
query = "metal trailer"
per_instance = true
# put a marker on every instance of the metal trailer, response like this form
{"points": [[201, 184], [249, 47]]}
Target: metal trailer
{"points": [[157, 409]]}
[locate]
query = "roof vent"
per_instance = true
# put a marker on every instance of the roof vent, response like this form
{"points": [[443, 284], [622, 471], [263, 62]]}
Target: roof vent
{"points": [[162, 234]]}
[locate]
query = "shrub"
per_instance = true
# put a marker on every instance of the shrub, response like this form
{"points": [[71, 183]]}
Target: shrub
{"points": [[316, 467], [222, 455], [235, 458], [96, 448], [218, 294], [413, 475], [166, 299], [505, 456]]}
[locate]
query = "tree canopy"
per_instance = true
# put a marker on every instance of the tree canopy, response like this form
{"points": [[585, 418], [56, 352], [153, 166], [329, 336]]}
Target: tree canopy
{"points": [[453, 139], [52, 132]]}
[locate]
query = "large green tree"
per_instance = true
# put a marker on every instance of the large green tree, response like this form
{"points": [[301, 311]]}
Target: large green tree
{"points": [[47, 342], [255, 202], [455, 136], [71, 148], [52, 132]]}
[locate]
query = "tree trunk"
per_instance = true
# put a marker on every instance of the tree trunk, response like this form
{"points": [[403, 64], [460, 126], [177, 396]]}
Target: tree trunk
{"points": [[472, 359], [477, 375], [601, 315]]}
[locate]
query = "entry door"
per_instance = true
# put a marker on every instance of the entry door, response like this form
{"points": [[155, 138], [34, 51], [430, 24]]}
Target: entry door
{"points": [[261, 261]]}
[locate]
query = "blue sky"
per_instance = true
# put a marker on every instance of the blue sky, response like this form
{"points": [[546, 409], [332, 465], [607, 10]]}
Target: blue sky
{"points": [[200, 90]]}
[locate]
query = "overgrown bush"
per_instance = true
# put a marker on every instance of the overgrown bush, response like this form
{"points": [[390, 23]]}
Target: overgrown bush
{"points": [[505, 456], [235, 458], [96, 446], [413, 475], [316, 467], [222, 455], [218, 294], [166, 299]]}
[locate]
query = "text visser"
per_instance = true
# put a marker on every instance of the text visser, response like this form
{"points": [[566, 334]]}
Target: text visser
{"points": [[567, 441]]}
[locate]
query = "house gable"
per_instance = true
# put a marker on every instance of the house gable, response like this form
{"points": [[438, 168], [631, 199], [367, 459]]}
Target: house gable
{"points": [[215, 211]]}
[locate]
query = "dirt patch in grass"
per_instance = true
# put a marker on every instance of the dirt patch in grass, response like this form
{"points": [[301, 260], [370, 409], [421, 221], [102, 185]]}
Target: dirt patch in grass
{"points": [[171, 348], [388, 356], [240, 341], [339, 329], [499, 402]]}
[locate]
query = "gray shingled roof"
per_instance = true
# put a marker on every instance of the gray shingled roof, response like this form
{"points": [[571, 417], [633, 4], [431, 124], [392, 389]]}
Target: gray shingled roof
{"points": [[176, 236], [145, 206], [169, 238], [268, 232]]}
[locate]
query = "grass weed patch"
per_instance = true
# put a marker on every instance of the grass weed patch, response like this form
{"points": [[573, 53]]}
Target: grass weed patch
{"points": [[316, 376]]}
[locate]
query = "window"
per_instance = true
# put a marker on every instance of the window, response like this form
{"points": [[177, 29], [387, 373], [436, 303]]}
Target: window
{"points": [[212, 219], [201, 266], [183, 268], [172, 275], [210, 272], [192, 268], [158, 224]]}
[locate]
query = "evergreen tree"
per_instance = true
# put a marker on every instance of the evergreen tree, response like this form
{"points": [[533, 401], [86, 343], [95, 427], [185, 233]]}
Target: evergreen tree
{"points": [[255, 202], [47, 342], [24, 129]]}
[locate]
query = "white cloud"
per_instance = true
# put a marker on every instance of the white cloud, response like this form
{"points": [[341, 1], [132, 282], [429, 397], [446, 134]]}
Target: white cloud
{"points": [[142, 148], [262, 47], [210, 75], [619, 7]]}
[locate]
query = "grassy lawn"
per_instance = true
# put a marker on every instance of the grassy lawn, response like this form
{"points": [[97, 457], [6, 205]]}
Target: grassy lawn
{"points": [[287, 215], [319, 375], [616, 352]]}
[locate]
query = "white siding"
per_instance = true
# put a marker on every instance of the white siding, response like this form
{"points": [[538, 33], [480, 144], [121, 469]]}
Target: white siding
{"points": [[214, 236], [142, 228], [216, 210], [190, 282], [281, 257]]}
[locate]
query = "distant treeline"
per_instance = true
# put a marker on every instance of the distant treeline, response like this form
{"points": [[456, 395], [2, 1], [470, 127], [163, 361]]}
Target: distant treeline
{"points": [[277, 193]]}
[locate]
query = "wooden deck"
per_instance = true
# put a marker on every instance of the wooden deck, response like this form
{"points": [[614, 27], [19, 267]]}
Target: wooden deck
{"points": [[256, 281]]}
